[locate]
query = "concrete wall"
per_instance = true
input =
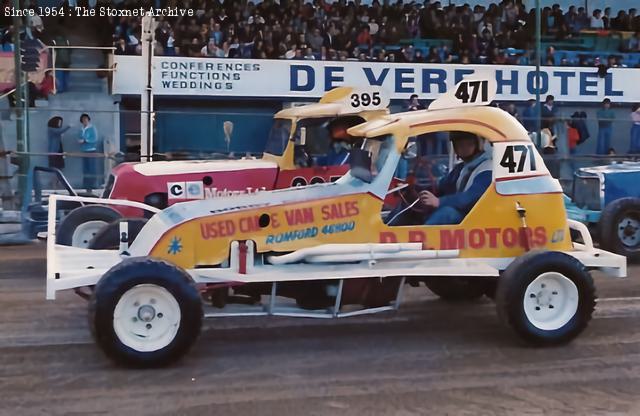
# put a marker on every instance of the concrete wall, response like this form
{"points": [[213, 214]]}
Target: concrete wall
{"points": [[70, 105]]}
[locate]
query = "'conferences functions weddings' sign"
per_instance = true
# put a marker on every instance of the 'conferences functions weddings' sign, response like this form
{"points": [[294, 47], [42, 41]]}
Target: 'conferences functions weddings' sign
{"points": [[310, 79]]}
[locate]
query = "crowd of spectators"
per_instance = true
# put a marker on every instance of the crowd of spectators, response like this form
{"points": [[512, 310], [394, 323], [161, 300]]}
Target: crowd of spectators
{"points": [[293, 29]]}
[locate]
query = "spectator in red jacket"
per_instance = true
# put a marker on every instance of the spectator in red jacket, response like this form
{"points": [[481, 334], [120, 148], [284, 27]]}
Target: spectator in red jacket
{"points": [[46, 86]]}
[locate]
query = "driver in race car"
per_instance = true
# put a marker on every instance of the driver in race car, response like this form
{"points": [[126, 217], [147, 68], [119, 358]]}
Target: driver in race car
{"points": [[338, 153], [459, 190]]}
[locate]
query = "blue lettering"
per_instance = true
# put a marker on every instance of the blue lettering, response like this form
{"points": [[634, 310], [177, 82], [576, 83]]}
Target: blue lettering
{"points": [[564, 80], [372, 78], [404, 75], [544, 81], [434, 76], [608, 87], [295, 79], [330, 78], [585, 83], [458, 74], [512, 82], [338, 228], [292, 235]]}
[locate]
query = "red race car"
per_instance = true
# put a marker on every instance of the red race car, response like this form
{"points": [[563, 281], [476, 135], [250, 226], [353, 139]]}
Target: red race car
{"points": [[316, 129]]}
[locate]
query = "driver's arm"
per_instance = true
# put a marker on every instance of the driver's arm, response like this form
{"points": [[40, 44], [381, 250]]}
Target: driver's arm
{"points": [[464, 201], [447, 184]]}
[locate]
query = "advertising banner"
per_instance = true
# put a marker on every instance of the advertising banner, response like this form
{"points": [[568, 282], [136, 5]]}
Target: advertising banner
{"points": [[252, 78], [7, 70]]}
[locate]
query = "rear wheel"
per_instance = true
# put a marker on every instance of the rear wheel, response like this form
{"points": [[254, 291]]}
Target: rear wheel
{"points": [[619, 228], [145, 313], [79, 227], [108, 238], [546, 298]]}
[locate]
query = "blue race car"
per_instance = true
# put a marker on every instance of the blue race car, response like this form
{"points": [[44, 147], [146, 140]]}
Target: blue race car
{"points": [[607, 200]]}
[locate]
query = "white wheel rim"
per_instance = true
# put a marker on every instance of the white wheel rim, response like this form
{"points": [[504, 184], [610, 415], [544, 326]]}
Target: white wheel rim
{"points": [[84, 232], [550, 301], [146, 318], [629, 231]]}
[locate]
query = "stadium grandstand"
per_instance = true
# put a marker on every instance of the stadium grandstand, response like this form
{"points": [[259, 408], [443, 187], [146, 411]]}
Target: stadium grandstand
{"points": [[579, 34]]}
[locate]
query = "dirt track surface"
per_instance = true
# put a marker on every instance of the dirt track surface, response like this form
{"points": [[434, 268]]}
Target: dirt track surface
{"points": [[430, 358]]}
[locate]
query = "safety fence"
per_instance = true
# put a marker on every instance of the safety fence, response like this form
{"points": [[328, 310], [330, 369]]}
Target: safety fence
{"points": [[55, 134]]}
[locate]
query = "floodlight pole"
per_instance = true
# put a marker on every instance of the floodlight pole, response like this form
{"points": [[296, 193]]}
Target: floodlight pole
{"points": [[146, 98], [21, 108], [538, 58]]}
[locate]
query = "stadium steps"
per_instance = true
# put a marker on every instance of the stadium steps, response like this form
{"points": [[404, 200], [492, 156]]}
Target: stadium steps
{"points": [[86, 81]]}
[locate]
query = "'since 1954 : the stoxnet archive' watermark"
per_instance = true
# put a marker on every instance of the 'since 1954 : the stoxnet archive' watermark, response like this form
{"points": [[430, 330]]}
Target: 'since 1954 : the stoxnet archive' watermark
{"points": [[101, 11]]}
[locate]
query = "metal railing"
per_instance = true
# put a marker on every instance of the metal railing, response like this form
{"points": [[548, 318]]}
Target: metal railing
{"points": [[110, 65]]}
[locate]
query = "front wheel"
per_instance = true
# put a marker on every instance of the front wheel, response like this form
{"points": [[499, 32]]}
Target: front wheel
{"points": [[145, 313], [546, 298]]}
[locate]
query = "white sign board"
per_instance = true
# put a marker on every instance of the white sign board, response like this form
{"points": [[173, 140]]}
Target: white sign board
{"points": [[252, 78]]}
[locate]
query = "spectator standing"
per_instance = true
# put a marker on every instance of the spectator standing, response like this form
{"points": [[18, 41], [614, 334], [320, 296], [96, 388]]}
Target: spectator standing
{"points": [[631, 20], [46, 86], [529, 116], [414, 103], [570, 20], [596, 20], [63, 60], [633, 44], [89, 144], [512, 110], [634, 145], [573, 136], [55, 130], [582, 20], [579, 122], [549, 113], [422, 140], [605, 117], [620, 22], [606, 18], [121, 49], [548, 142]]}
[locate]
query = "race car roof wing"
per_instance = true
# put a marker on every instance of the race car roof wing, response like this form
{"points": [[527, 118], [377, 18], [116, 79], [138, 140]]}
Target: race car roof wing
{"points": [[474, 90], [342, 101]]}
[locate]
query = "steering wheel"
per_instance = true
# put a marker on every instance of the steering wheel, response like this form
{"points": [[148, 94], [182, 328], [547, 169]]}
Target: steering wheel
{"points": [[410, 195], [412, 211]]}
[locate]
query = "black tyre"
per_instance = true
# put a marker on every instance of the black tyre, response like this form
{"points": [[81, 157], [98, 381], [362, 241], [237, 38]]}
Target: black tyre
{"points": [[145, 313], [456, 289], [108, 238], [83, 223], [619, 228], [546, 297]]}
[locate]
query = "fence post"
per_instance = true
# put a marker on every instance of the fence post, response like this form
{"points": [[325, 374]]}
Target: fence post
{"points": [[53, 66]]}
